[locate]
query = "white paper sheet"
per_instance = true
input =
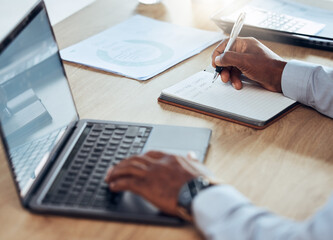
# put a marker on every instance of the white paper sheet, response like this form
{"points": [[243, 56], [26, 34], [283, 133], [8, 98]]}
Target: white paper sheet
{"points": [[140, 47]]}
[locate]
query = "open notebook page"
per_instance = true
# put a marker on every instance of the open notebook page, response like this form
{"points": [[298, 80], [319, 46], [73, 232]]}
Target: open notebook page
{"points": [[252, 102]]}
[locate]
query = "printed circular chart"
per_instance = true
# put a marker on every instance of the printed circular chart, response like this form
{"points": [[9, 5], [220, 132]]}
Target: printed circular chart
{"points": [[135, 53]]}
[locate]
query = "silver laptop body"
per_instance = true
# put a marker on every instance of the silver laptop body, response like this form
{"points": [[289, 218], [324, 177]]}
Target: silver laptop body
{"points": [[46, 143]]}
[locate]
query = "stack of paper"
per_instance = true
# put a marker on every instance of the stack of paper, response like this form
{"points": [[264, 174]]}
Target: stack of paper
{"points": [[140, 47]]}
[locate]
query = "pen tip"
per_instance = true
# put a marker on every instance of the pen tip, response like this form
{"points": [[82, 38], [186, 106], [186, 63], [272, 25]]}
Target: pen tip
{"points": [[215, 77]]}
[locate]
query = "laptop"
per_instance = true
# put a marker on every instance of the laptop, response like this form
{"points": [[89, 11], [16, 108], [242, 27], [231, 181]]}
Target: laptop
{"points": [[58, 161]]}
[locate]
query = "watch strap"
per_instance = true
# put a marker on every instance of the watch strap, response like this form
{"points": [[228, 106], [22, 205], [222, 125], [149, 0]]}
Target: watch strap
{"points": [[187, 193]]}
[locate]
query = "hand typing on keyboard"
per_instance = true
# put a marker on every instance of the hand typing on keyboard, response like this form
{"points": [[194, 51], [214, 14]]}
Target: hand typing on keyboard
{"points": [[156, 176]]}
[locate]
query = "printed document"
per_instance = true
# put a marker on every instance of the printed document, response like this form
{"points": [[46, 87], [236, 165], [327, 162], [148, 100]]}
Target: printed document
{"points": [[140, 47]]}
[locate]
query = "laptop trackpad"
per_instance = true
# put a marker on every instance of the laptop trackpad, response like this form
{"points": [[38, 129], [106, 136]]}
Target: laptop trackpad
{"points": [[135, 204], [179, 140]]}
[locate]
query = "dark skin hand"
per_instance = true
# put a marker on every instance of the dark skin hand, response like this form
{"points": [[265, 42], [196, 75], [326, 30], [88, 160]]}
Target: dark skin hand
{"points": [[156, 176], [253, 59]]}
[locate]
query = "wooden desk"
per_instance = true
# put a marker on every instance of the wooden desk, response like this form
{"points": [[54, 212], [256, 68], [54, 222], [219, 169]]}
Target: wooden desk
{"points": [[287, 167]]}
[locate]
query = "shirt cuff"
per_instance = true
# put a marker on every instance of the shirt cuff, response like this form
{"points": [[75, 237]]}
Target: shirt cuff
{"points": [[295, 78], [213, 202]]}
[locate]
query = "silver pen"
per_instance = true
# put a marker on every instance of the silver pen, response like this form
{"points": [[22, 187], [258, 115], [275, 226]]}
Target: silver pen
{"points": [[233, 35]]}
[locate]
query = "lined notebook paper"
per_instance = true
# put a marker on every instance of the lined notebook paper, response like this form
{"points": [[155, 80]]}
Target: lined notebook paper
{"points": [[252, 105]]}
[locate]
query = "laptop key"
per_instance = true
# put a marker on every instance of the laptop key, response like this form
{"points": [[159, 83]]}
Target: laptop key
{"points": [[73, 172], [120, 131], [117, 137], [89, 144], [97, 127], [69, 179], [136, 150], [114, 142], [93, 160], [125, 146], [98, 175], [132, 131], [94, 183], [71, 200], [86, 171], [62, 191], [89, 166], [104, 137], [109, 152], [94, 134], [110, 127], [98, 149], [85, 201], [128, 140], [122, 127]]}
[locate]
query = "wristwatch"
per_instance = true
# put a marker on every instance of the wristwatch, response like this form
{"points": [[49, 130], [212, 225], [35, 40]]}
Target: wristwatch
{"points": [[187, 193]]}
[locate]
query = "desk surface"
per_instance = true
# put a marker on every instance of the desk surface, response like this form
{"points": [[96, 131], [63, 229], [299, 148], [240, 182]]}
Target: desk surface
{"points": [[287, 167]]}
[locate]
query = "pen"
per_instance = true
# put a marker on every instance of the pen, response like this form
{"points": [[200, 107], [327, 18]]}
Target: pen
{"points": [[233, 35]]}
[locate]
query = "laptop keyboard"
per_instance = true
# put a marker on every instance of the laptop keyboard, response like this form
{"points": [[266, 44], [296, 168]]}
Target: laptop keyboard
{"points": [[81, 180]]}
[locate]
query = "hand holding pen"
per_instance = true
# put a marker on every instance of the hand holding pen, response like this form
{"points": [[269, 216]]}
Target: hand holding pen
{"points": [[251, 59], [233, 35]]}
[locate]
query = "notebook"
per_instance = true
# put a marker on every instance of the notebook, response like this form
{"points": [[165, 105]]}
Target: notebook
{"points": [[252, 106], [58, 161]]}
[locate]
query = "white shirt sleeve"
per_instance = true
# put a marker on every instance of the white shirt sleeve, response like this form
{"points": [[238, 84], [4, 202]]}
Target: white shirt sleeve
{"points": [[221, 212], [309, 84]]}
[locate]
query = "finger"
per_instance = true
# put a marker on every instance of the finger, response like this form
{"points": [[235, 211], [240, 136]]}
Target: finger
{"points": [[192, 156], [133, 163], [126, 172], [219, 50], [225, 75], [155, 154], [235, 79], [108, 174], [136, 158], [241, 45], [133, 169], [238, 46], [127, 184]]}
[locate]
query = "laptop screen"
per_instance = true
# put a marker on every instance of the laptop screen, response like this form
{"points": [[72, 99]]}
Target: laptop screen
{"points": [[36, 104]]}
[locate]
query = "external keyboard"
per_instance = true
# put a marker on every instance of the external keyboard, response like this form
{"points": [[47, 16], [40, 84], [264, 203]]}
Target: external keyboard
{"points": [[266, 19]]}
